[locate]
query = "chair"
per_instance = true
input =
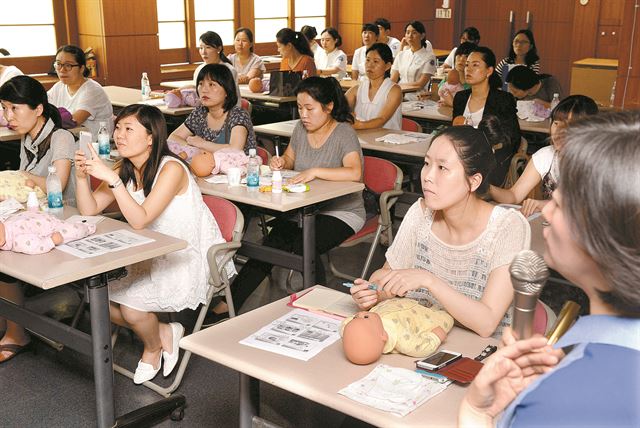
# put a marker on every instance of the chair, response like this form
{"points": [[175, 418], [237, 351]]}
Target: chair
{"points": [[231, 222], [410, 125], [246, 104], [384, 178], [264, 155]]}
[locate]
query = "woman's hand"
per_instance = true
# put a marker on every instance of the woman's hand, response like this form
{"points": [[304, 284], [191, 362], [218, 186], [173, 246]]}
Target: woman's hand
{"points": [[304, 177], [446, 99], [399, 282], [530, 206], [94, 167], [195, 141], [364, 298], [79, 161], [276, 163], [243, 79], [403, 43]]}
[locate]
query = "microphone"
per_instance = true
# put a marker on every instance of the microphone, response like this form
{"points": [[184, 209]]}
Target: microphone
{"points": [[529, 273]]}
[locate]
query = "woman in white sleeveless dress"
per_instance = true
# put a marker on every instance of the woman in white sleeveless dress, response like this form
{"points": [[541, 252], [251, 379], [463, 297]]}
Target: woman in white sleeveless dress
{"points": [[376, 100], [154, 190]]}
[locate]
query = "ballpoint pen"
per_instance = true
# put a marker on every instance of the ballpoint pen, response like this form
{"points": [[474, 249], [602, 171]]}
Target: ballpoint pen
{"points": [[351, 284]]}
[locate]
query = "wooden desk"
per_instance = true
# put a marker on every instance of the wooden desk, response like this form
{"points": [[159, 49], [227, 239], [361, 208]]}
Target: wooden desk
{"points": [[57, 268], [306, 205], [441, 53], [320, 378], [7, 134], [122, 97]]}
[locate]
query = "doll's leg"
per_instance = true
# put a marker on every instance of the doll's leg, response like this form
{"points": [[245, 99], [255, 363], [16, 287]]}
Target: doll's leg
{"points": [[15, 333], [146, 326]]}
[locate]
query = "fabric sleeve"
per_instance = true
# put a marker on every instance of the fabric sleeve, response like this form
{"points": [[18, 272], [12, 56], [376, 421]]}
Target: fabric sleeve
{"points": [[90, 98], [63, 145], [239, 117], [349, 141], [542, 160], [402, 252], [500, 66], [31, 243], [340, 62], [309, 65], [257, 63], [396, 62], [192, 121], [297, 139], [355, 62], [450, 59], [513, 235], [429, 65]]}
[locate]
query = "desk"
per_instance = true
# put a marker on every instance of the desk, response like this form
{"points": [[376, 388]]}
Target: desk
{"points": [[122, 97], [305, 203], [57, 268], [320, 378], [441, 53]]}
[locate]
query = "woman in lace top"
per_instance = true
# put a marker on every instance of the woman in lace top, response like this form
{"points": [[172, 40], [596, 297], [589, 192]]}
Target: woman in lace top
{"points": [[453, 249], [218, 123]]}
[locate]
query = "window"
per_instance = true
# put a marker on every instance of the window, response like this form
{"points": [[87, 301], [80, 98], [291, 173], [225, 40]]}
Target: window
{"points": [[27, 28], [272, 15], [172, 29], [311, 13]]}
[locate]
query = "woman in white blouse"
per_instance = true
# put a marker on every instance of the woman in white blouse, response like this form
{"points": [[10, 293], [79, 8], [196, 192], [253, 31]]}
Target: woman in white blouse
{"points": [[330, 60], [376, 100], [370, 34], [247, 64], [414, 66]]}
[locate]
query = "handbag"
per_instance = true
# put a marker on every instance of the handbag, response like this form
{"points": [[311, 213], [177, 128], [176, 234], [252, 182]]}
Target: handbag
{"points": [[283, 83]]}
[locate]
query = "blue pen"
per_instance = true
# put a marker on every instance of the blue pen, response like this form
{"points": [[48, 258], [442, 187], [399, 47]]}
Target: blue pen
{"points": [[434, 376], [351, 284]]}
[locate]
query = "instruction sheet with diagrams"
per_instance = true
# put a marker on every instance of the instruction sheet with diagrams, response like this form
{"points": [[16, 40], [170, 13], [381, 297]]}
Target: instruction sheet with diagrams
{"points": [[298, 334], [96, 245]]}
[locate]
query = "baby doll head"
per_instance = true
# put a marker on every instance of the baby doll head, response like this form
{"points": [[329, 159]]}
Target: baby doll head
{"points": [[255, 84], [203, 163], [363, 338], [453, 77]]}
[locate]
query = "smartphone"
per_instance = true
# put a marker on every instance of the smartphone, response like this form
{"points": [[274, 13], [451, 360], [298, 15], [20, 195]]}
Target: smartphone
{"points": [[85, 140], [438, 360]]}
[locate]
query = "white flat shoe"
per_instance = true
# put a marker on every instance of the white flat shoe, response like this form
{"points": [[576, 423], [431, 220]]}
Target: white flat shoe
{"points": [[171, 359], [145, 372]]}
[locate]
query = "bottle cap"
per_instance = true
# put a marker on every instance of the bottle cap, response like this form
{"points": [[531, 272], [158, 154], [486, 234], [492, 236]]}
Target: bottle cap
{"points": [[252, 152], [51, 168], [276, 175]]}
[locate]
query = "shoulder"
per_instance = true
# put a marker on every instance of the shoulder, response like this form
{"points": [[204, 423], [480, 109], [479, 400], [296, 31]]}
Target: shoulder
{"points": [[172, 167], [62, 135], [93, 87], [238, 114], [509, 222], [546, 152]]}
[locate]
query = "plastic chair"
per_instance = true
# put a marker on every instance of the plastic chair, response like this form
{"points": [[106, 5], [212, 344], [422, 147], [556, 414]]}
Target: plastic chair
{"points": [[264, 155], [246, 104], [410, 125], [384, 178], [231, 222]]}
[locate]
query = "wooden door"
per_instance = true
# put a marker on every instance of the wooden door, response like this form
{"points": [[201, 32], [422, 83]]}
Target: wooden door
{"points": [[492, 19], [609, 28]]}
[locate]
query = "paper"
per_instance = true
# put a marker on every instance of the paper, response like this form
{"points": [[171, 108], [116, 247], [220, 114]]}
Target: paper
{"points": [[8, 207], [217, 179], [412, 137], [96, 245], [418, 105], [298, 334], [89, 219], [325, 300]]}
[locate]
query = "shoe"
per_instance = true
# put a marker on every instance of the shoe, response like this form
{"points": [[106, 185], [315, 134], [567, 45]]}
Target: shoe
{"points": [[171, 359], [145, 372], [16, 349], [213, 318]]}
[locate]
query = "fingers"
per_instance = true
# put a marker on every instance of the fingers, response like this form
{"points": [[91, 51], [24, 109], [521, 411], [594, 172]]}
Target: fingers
{"points": [[507, 337]]}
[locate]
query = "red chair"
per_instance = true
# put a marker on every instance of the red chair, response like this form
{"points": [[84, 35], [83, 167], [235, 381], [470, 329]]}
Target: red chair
{"points": [[246, 104], [410, 125], [264, 155]]}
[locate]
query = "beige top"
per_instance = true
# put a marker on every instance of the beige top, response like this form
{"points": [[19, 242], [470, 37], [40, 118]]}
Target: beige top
{"points": [[465, 267]]}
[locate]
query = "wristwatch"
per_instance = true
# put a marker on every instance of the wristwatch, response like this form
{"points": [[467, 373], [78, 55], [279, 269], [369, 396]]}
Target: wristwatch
{"points": [[115, 184]]}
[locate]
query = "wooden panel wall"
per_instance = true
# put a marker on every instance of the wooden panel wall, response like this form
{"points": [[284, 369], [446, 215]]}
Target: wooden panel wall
{"points": [[629, 60]]}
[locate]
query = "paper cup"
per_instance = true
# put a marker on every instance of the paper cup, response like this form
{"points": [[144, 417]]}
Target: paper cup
{"points": [[233, 176]]}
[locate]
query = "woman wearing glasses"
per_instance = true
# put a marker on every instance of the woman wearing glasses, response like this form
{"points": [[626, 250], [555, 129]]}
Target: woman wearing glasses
{"points": [[82, 97], [523, 51]]}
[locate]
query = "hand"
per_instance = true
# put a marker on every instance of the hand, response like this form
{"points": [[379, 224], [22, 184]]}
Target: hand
{"points": [[79, 161], [439, 331], [447, 99], [94, 167], [57, 238], [195, 141], [403, 43], [243, 79], [357, 124], [530, 206], [276, 163], [399, 282], [30, 183], [304, 176], [364, 298]]}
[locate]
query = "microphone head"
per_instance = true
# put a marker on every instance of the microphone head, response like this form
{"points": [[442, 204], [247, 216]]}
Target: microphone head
{"points": [[528, 272]]}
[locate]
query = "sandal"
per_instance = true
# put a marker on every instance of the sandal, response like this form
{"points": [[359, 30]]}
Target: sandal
{"points": [[16, 349]]}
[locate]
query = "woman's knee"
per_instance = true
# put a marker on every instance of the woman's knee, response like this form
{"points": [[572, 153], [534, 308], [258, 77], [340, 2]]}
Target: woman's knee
{"points": [[134, 316]]}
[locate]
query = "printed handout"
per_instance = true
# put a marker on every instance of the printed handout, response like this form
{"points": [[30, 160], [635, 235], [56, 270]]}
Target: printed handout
{"points": [[96, 245]]}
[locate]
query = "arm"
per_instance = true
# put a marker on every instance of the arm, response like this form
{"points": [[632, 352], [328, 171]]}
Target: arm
{"points": [[79, 116], [421, 82], [393, 102], [180, 135], [529, 179], [395, 76], [352, 98], [351, 170], [237, 140], [365, 298], [286, 161], [92, 202], [63, 170]]}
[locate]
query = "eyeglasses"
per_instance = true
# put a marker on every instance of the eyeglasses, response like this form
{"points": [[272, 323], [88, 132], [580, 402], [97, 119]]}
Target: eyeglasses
{"points": [[65, 66], [521, 42]]}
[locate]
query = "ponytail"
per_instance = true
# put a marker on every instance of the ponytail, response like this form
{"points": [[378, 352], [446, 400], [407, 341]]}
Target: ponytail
{"points": [[50, 111], [287, 36], [326, 91]]}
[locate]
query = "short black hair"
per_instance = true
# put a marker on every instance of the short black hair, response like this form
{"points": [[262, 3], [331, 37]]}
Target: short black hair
{"points": [[371, 27], [523, 77], [472, 34], [384, 23], [220, 74]]}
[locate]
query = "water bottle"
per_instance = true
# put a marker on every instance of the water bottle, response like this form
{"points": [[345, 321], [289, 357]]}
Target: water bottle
{"points": [[145, 86], [54, 192], [104, 143], [555, 101], [612, 98], [276, 182], [253, 171]]}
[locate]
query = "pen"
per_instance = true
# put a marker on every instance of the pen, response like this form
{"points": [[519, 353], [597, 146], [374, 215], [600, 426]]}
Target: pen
{"points": [[351, 284], [277, 152]]}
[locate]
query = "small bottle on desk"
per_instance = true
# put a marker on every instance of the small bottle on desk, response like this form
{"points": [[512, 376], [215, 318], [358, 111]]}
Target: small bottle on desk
{"points": [[276, 182], [104, 141], [253, 171], [555, 101], [54, 192], [145, 87]]}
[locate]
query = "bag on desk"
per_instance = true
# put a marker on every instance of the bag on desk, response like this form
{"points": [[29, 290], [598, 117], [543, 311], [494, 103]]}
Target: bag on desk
{"points": [[283, 83]]}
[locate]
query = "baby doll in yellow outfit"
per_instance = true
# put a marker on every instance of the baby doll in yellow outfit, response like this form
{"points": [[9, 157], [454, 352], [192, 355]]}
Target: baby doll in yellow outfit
{"points": [[398, 325]]}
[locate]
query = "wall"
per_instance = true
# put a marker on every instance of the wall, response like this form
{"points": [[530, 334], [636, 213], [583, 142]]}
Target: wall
{"points": [[628, 81]]}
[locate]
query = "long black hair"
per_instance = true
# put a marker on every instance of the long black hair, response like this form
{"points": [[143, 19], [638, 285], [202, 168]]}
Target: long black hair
{"points": [[153, 121], [326, 91], [532, 56], [296, 38], [214, 40]]}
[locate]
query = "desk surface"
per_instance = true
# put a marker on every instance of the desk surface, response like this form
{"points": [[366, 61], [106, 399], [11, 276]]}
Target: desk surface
{"points": [[122, 97], [320, 191], [7, 134], [56, 268], [245, 92], [320, 378]]}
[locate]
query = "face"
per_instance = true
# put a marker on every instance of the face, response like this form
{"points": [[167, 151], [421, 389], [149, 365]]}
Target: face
{"points": [[476, 70], [21, 117], [518, 93], [383, 31], [369, 38], [313, 114], [521, 44], [209, 54], [375, 66], [460, 64], [284, 49], [327, 42], [444, 182], [241, 43], [464, 38], [211, 92], [558, 127], [131, 138], [68, 69], [414, 37]]}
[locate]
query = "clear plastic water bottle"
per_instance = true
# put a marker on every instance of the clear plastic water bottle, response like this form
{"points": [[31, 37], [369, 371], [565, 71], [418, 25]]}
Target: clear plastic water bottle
{"points": [[104, 141], [54, 192], [145, 87], [555, 101], [612, 98], [253, 171]]}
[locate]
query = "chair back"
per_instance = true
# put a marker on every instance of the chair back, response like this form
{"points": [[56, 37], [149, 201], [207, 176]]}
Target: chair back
{"points": [[227, 215], [94, 182], [246, 105], [381, 175], [410, 125], [264, 155]]}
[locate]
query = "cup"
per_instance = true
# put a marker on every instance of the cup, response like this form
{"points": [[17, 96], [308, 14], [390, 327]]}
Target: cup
{"points": [[233, 176]]}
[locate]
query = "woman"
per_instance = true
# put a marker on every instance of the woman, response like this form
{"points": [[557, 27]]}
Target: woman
{"points": [[247, 64], [323, 146], [525, 84], [543, 167], [218, 123], [376, 100], [453, 249], [369, 37], [28, 112], [153, 189], [593, 242], [414, 66], [311, 33], [384, 26], [469, 35], [523, 51], [461, 55], [485, 99], [330, 60], [84, 98], [7, 72], [293, 46]]}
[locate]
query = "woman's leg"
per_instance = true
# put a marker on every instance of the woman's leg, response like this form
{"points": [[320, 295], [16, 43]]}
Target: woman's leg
{"points": [[146, 326], [15, 334]]}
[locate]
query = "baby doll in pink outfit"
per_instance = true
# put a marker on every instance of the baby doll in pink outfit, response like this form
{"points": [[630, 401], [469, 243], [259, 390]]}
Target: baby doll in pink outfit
{"points": [[452, 85], [38, 232]]}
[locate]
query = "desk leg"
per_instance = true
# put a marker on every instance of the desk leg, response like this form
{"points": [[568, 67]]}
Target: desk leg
{"points": [[102, 355], [309, 247], [249, 400]]}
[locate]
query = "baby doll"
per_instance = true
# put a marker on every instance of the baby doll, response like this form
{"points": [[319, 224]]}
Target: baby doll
{"points": [[13, 184], [398, 325], [188, 97], [203, 164], [452, 85], [39, 232]]}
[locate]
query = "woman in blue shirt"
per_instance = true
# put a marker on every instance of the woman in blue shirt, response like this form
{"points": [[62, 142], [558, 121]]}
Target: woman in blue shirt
{"points": [[592, 239]]}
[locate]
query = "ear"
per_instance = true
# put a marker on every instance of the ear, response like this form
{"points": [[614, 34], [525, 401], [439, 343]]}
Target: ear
{"points": [[329, 107], [39, 109], [149, 140], [385, 336], [475, 181], [490, 71]]}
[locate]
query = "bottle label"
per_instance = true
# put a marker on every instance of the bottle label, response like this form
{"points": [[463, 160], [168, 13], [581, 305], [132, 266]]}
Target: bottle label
{"points": [[104, 146], [54, 200], [253, 180]]}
